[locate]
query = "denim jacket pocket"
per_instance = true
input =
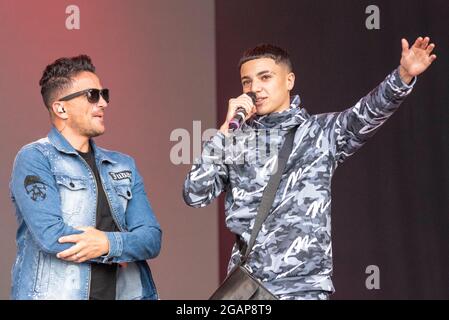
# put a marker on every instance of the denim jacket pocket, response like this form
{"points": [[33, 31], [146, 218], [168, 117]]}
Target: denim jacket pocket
{"points": [[124, 190], [73, 193], [124, 194], [71, 183]]}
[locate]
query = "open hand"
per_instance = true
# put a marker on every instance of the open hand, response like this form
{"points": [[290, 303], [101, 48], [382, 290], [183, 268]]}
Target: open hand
{"points": [[416, 59]]}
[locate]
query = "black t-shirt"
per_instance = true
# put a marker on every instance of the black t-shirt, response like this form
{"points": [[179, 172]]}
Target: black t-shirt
{"points": [[104, 276]]}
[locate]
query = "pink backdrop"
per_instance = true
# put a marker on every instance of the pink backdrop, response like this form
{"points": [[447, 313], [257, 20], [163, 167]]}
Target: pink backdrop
{"points": [[158, 59]]}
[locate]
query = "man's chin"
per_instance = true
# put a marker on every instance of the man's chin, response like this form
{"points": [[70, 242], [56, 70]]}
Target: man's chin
{"points": [[96, 133], [262, 112]]}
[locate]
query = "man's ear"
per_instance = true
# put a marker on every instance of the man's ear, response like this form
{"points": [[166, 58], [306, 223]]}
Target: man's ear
{"points": [[59, 110], [290, 81]]}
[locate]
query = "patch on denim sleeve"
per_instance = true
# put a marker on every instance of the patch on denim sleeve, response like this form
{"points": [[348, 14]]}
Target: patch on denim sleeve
{"points": [[122, 175], [35, 188]]}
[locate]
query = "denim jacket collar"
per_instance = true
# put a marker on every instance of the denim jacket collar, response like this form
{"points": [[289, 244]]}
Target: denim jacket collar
{"points": [[62, 145]]}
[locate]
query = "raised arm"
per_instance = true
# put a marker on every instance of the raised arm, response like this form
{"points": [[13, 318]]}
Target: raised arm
{"points": [[354, 126]]}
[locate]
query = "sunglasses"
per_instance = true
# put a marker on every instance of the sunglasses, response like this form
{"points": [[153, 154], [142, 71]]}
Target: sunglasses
{"points": [[92, 95]]}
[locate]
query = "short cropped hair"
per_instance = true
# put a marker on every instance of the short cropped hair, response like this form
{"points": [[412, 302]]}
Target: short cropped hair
{"points": [[58, 76], [266, 50]]}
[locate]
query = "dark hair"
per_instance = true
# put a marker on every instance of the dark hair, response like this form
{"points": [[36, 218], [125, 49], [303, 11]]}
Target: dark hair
{"points": [[266, 50], [58, 75]]}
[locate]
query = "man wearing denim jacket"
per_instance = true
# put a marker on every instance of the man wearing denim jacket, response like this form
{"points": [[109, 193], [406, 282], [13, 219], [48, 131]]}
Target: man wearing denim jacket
{"points": [[292, 254], [85, 225]]}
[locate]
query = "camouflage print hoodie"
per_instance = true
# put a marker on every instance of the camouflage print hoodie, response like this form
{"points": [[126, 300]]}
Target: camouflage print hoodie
{"points": [[293, 250]]}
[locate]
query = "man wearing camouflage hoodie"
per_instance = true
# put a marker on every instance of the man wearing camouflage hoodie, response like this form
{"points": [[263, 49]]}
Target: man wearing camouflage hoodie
{"points": [[292, 254]]}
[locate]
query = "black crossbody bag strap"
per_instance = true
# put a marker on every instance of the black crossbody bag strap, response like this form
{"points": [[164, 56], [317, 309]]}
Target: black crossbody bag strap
{"points": [[269, 193]]}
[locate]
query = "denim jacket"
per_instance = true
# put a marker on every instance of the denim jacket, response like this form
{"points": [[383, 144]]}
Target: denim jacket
{"points": [[54, 191]]}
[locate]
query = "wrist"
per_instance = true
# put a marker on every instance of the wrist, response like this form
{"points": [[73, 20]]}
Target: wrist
{"points": [[225, 128], [405, 76], [106, 245]]}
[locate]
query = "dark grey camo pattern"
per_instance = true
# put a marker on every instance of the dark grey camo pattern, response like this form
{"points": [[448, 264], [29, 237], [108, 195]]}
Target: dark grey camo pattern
{"points": [[293, 250]]}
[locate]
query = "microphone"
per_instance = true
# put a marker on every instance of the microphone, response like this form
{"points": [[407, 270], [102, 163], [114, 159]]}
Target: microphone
{"points": [[240, 114]]}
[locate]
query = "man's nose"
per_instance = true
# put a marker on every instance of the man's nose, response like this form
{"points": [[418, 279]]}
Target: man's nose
{"points": [[255, 86], [102, 103]]}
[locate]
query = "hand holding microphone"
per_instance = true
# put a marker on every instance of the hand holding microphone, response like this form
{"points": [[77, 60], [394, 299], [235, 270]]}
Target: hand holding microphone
{"points": [[239, 110]]}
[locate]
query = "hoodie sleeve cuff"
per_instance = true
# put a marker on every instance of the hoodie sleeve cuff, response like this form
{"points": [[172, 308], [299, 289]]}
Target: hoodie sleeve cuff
{"points": [[397, 81], [213, 150]]}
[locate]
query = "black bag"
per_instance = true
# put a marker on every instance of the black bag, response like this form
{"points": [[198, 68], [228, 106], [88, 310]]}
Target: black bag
{"points": [[240, 284]]}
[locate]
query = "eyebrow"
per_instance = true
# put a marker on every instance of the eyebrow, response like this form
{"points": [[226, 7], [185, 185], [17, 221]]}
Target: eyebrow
{"points": [[259, 74]]}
